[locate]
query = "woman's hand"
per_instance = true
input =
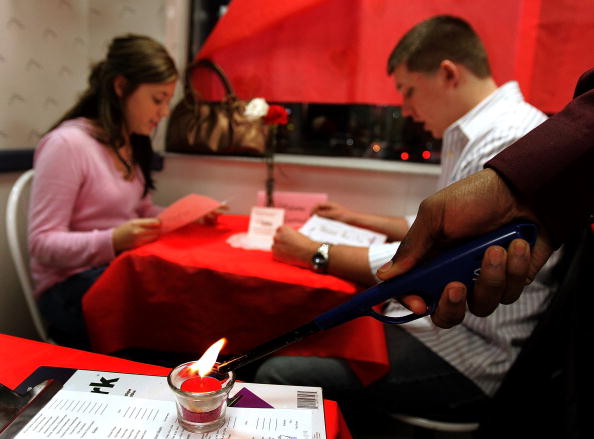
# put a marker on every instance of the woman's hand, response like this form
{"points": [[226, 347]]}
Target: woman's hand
{"points": [[135, 233], [212, 218]]}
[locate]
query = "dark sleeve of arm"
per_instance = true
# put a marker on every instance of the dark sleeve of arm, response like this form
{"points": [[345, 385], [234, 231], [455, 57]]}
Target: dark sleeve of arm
{"points": [[552, 167]]}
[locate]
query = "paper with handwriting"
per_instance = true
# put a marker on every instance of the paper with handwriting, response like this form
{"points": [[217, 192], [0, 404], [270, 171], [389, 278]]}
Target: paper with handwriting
{"points": [[336, 232], [263, 224]]}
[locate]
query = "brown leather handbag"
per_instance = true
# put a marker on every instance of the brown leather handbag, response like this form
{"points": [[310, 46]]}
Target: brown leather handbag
{"points": [[202, 127]]}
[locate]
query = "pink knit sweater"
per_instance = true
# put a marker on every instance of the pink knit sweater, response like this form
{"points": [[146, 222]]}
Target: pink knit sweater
{"points": [[78, 197]]}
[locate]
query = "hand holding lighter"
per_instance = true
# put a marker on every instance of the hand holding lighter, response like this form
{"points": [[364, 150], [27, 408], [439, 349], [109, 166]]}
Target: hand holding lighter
{"points": [[428, 281]]}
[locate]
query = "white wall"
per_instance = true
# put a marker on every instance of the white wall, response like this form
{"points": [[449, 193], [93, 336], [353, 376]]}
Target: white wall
{"points": [[370, 186], [46, 47]]}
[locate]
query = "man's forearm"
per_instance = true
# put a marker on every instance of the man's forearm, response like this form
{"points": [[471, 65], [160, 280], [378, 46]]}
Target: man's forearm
{"points": [[351, 263], [395, 228]]}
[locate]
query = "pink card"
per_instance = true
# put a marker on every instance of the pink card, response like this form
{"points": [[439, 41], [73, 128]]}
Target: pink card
{"points": [[185, 211], [297, 205]]}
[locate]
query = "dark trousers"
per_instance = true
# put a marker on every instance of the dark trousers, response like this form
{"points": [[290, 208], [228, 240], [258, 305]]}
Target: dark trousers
{"points": [[61, 308], [419, 383]]}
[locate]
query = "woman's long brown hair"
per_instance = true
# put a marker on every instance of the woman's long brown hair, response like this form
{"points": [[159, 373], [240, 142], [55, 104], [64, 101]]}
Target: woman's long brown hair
{"points": [[140, 60]]}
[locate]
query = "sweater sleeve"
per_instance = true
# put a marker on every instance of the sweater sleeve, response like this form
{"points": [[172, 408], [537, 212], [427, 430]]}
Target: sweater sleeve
{"points": [[146, 208], [552, 168], [59, 173]]}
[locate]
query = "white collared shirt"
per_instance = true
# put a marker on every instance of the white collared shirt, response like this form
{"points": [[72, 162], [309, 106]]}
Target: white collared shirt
{"points": [[482, 348], [496, 122]]}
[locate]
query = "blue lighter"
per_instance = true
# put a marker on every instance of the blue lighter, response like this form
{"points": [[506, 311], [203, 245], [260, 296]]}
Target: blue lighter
{"points": [[428, 280]]}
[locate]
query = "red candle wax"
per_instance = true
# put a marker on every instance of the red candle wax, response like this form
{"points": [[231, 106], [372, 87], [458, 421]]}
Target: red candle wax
{"points": [[201, 385], [187, 372]]}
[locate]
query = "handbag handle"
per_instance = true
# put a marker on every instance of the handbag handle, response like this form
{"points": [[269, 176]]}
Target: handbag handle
{"points": [[214, 67]]}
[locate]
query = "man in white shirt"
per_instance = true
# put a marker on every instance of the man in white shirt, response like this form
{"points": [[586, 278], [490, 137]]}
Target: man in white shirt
{"points": [[442, 71]]}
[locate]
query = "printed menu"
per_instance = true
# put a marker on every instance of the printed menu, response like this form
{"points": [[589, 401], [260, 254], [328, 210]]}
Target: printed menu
{"points": [[95, 404]]}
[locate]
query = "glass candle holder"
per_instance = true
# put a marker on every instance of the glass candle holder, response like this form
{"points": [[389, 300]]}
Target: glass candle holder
{"points": [[200, 412]]}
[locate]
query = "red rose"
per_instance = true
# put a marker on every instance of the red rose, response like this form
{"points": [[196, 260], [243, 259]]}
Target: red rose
{"points": [[277, 115]]}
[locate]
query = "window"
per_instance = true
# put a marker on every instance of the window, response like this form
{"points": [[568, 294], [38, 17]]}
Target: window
{"points": [[368, 131]]}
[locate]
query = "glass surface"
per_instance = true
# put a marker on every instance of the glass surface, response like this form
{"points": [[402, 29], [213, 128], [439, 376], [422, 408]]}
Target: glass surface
{"points": [[367, 131], [336, 130]]}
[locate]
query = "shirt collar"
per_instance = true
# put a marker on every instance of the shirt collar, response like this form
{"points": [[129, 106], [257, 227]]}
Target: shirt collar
{"points": [[472, 124]]}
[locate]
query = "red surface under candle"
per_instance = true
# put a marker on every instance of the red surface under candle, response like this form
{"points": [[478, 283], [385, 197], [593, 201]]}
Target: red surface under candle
{"points": [[201, 385]]}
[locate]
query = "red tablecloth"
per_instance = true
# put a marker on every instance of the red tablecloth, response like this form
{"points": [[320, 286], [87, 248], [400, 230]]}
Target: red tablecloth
{"points": [[20, 357], [190, 288]]}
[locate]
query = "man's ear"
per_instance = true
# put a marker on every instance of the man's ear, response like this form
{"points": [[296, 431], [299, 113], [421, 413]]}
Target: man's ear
{"points": [[119, 85], [450, 72]]}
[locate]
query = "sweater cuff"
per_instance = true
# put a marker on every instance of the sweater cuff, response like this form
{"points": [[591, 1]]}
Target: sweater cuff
{"points": [[105, 251]]}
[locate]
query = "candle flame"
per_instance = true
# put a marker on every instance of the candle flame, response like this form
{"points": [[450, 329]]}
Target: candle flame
{"points": [[205, 364]]}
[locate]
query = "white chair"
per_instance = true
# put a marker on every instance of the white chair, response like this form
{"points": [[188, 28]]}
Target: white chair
{"points": [[424, 426], [16, 233]]}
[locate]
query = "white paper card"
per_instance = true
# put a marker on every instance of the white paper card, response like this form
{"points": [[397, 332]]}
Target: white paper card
{"points": [[336, 232], [297, 205], [263, 224]]}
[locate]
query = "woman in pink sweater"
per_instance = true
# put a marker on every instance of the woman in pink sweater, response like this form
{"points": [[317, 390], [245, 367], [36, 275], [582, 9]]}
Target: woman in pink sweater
{"points": [[91, 197]]}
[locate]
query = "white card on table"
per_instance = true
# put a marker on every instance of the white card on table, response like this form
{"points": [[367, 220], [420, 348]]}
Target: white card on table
{"points": [[297, 205], [336, 232], [263, 224]]}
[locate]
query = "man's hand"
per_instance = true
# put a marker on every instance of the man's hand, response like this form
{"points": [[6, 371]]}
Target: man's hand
{"points": [[334, 211], [135, 233], [472, 206], [292, 247]]}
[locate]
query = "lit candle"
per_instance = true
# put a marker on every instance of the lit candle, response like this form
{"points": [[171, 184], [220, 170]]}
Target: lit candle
{"points": [[201, 399], [198, 381]]}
